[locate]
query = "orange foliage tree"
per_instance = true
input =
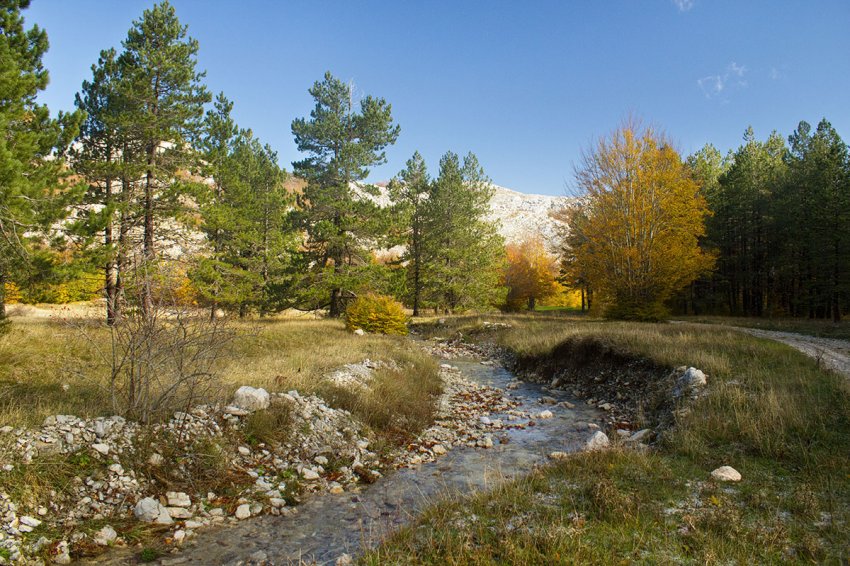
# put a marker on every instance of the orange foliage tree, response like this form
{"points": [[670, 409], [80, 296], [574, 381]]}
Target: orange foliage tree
{"points": [[636, 238], [530, 274]]}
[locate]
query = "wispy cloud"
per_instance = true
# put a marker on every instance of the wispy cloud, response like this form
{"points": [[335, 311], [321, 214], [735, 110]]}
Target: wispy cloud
{"points": [[718, 86], [684, 5], [775, 74]]}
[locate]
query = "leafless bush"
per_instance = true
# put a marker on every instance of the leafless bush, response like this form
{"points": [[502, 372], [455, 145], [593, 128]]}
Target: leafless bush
{"points": [[161, 356]]}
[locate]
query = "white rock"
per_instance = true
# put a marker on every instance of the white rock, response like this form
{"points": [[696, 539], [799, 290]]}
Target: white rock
{"points": [[105, 536], [178, 499], [192, 525], [251, 398], [244, 450], [726, 473], [693, 377], [597, 441], [29, 521], [243, 511], [321, 460], [179, 535], [149, 510], [277, 502], [359, 332], [485, 420], [547, 414], [179, 512], [235, 411], [102, 448], [438, 449], [309, 474]]}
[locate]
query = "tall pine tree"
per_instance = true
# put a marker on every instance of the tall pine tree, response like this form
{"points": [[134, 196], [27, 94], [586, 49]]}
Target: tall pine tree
{"points": [[166, 107], [462, 252], [410, 193], [32, 192], [343, 141]]}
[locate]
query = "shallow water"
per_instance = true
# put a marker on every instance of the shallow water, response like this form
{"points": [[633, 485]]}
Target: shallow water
{"points": [[329, 526]]}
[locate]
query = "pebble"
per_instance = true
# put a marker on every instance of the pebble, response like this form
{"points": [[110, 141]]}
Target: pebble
{"points": [[178, 499], [309, 475], [243, 511], [101, 448]]}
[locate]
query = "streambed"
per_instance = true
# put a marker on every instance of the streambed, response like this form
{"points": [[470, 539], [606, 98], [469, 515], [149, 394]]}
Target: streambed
{"points": [[328, 527]]}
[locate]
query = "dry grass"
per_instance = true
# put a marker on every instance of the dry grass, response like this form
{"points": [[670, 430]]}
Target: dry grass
{"points": [[770, 412], [50, 367]]}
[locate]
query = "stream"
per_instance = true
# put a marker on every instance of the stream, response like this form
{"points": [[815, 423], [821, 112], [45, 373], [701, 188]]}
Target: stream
{"points": [[327, 527]]}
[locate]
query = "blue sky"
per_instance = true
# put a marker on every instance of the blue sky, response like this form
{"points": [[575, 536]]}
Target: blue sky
{"points": [[525, 85]]}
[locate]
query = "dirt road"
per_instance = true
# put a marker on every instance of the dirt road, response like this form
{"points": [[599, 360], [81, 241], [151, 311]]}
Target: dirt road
{"points": [[832, 353]]}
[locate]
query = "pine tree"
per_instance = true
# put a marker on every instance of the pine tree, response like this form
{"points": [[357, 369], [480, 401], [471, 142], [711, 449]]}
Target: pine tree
{"points": [[166, 106], [106, 157], [342, 143], [817, 230], [247, 220], [462, 251], [214, 277], [744, 225], [33, 191], [410, 192]]}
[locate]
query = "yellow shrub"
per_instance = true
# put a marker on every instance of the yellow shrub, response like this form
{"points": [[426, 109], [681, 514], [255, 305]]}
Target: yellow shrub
{"points": [[13, 294], [378, 314]]}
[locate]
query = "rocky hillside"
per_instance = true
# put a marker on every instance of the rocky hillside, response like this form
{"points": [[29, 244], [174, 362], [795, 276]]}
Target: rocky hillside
{"points": [[522, 216]]}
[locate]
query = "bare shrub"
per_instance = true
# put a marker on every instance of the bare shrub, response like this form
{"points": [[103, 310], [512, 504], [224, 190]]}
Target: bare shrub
{"points": [[162, 355]]}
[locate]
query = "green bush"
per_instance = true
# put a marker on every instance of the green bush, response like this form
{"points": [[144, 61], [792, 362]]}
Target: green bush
{"points": [[378, 314]]}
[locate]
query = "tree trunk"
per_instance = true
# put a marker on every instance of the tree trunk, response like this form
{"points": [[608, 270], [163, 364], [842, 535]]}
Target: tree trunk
{"points": [[335, 310], [121, 256], [2, 297], [149, 252], [532, 303], [111, 273]]}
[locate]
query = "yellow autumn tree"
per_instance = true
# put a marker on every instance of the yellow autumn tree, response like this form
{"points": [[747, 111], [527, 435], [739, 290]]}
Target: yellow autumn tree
{"points": [[529, 274], [635, 239]]}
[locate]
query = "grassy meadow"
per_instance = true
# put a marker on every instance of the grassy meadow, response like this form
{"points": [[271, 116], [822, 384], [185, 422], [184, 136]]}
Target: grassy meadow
{"points": [[769, 412], [50, 366]]}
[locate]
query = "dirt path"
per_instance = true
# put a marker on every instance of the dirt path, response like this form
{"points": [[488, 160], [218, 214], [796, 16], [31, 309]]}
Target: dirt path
{"points": [[832, 353]]}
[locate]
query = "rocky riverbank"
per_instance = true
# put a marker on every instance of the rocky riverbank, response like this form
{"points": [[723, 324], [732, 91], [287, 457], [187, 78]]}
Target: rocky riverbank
{"points": [[118, 473]]}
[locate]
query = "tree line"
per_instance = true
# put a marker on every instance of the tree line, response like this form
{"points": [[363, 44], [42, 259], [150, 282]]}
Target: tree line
{"points": [[780, 226], [148, 159], [761, 231]]}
